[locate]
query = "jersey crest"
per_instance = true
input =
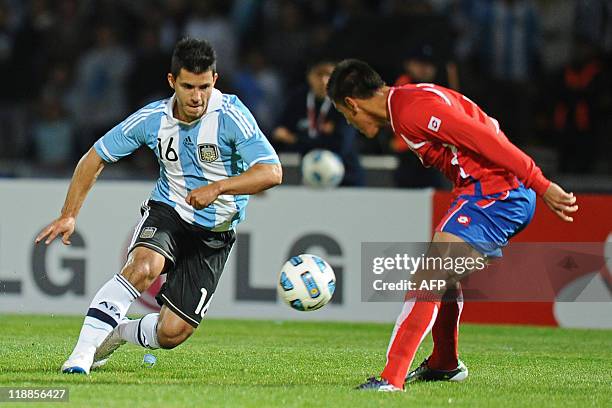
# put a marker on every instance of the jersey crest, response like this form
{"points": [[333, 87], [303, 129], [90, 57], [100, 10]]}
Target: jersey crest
{"points": [[208, 152]]}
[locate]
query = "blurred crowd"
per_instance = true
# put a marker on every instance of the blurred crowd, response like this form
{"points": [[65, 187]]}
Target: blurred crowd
{"points": [[72, 69]]}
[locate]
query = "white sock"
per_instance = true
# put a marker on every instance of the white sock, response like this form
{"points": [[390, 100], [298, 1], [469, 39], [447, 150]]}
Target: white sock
{"points": [[141, 332], [107, 309]]}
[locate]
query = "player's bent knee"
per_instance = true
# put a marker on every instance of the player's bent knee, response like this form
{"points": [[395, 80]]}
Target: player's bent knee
{"points": [[143, 267], [140, 275]]}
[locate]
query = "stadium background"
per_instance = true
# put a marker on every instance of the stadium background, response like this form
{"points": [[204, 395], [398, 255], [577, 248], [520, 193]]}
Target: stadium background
{"points": [[73, 69]]}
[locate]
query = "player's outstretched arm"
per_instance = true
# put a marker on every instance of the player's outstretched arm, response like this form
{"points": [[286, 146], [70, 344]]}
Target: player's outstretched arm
{"points": [[83, 179], [258, 178], [560, 202]]}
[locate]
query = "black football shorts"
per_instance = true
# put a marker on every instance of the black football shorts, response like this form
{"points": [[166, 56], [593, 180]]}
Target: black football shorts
{"points": [[197, 257]]}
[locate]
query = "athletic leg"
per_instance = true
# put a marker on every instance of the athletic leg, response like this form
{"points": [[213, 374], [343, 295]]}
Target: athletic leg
{"points": [[445, 331], [420, 311], [111, 303], [164, 330], [186, 294]]}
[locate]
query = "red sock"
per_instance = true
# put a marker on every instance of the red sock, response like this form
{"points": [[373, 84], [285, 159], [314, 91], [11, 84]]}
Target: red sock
{"points": [[445, 333], [411, 327]]}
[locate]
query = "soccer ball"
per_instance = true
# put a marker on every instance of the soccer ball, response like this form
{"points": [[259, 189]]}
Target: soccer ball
{"points": [[322, 168], [306, 282]]}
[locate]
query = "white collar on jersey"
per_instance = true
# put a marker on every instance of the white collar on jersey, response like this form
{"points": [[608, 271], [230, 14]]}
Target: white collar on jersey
{"points": [[215, 103]]}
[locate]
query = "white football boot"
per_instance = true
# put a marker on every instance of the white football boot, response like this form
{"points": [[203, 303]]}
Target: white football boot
{"points": [[79, 363]]}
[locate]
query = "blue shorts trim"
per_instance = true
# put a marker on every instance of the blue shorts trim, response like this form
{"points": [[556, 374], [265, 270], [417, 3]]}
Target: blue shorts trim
{"points": [[488, 222]]}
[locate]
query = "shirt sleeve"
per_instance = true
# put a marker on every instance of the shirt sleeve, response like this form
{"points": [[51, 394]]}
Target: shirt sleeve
{"points": [[121, 140], [251, 144], [439, 121]]}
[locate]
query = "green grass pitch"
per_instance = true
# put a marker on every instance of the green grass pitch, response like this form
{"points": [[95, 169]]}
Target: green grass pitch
{"points": [[239, 363]]}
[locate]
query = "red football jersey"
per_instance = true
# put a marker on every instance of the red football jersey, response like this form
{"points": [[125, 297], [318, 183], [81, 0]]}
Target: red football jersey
{"points": [[450, 132]]}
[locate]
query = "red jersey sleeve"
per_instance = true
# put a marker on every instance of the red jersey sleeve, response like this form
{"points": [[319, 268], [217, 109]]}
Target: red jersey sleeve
{"points": [[439, 121]]}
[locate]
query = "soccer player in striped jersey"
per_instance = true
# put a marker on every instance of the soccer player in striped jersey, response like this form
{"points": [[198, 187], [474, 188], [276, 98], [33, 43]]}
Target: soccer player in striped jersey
{"points": [[495, 187], [212, 156]]}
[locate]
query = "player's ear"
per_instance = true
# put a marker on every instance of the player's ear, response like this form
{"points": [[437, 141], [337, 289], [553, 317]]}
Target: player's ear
{"points": [[215, 77], [351, 104], [171, 80]]}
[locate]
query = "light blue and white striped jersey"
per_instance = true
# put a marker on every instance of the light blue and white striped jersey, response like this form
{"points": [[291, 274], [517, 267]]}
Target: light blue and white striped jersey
{"points": [[224, 142]]}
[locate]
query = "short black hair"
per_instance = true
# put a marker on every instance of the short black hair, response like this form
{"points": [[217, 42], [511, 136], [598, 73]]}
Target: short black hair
{"points": [[193, 55], [353, 78]]}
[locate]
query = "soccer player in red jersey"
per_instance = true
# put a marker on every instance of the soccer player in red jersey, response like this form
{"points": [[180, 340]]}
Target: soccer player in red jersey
{"points": [[495, 186]]}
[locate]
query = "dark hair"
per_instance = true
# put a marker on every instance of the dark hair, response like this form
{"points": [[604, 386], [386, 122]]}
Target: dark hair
{"points": [[317, 62], [193, 55], [353, 78]]}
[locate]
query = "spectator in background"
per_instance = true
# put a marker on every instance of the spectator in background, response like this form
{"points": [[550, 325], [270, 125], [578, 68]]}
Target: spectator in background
{"points": [[9, 111], [7, 40], [348, 10], [422, 64], [243, 15], [593, 22], [259, 87], [147, 79], [67, 32], [211, 22], [406, 8], [557, 21], [53, 135], [175, 14], [287, 39], [582, 106], [497, 43], [311, 122], [100, 92], [34, 33], [508, 40], [419, 66], [58, 85], [509, 35]]}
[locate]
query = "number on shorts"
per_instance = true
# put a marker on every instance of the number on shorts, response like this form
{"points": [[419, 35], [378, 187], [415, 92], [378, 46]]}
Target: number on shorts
{"points": [[201, 310]]}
